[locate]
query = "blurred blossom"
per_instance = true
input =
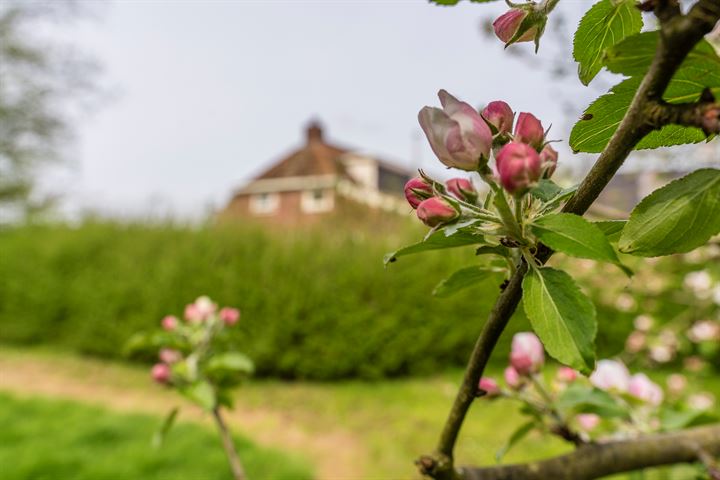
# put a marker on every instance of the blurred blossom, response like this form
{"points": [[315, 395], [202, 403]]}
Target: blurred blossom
{"points": [[625, 302], [566, 374], [611, 375], [661, 353], [512, 377], [700, 283], [229, 315], [701, 401], [168, 355], [643, 322], [635, 342], [676, 383], [160, 373], [694, 363], [695, 256], [668, 338], [169, 322], [489, 386], [704, 330], [205, 306], [640, 386], [526, 354], [588, 421]]}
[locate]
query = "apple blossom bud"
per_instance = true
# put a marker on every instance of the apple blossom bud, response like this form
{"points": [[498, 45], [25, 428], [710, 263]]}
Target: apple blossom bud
{"points": [[640, 386], [512, 377], [507, 25], [229, 315], [161, 373], [489, 386], [676, 383], [635, 342], [457, 133], [436, 211], [588, 421], [200, 310], [701, 401], [192, 313], [526, 353], [611, 375], [519, 167], [169, 322], [704, 330], [417, 190], [711, 121], [528, 129], [462, 189], [548, 161], [643, 323], [168, 355], [499, 115], [566, 374]]}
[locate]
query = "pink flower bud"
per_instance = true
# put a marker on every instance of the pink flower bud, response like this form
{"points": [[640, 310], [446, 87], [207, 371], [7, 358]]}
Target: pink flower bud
{"points": [[512, 377], [499, 115], [640, 386], [229, 315], [436, 211], [611, 375], [417, 190], [462, 189], [161, 373], [169, 322], [192, 314], [676, 383], [168, 355], [635, 342], [489, 386], [588, 421], [201, 310], [711, 121], [704, 330], [457, 134], [548, 161], [566, 374], [528, 129], [519, 167], [526, 353], [507, 24]]}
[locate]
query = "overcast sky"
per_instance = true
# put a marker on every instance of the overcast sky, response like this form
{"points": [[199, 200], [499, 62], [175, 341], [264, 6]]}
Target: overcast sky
{"points": [[207, 93]]}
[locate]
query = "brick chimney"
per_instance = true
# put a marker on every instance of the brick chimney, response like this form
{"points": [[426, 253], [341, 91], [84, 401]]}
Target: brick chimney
{"points": [[314, 132]]}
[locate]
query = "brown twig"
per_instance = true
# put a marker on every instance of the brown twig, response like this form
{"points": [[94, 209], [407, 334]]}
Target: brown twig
{"points": [[233, 459]]}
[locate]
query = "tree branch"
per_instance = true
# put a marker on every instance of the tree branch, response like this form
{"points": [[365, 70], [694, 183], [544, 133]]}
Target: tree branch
{"points": [[704, 114], [679, 34], [601, 459]]}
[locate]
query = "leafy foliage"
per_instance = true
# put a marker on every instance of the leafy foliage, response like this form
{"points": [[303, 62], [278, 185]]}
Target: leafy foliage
{"points": [[604, 25], [437, 241], [676, 218], [465, 278]]}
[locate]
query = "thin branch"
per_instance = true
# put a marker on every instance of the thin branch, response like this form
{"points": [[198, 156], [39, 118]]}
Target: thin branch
{"points": [[600, 459], [679, 34], [233, 459]]}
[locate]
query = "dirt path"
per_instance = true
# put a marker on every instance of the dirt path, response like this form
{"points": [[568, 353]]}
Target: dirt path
{"points": [[336, 454]]}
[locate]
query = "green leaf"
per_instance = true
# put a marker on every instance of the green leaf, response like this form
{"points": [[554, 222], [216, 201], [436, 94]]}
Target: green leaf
{"points": [[500, 250], [595, 128], [201, 393], [672, 419], [519, 433], [449, 3], [436, 241], [676, 218], [581, 399], [545, 190], [161, 434], [611, 229], [573, 235], [465, 278], [562, 316], [233, 362], [604, 25]]}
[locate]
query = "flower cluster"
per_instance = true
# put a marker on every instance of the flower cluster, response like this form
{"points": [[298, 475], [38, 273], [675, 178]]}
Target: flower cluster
{"points": [[610, 402]]}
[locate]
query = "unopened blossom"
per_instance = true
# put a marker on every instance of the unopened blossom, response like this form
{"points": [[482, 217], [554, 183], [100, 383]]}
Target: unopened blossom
{"points": [[518, 165], [711, 120], [625, 302], [229, 315], [528, 129], [499, 115], [462, 189], [588, 421], [635, 342], [169, 322], [507, 25], [700, 283], [704, 330], [168, 355], [417, 190], [676, 383], [200, 310], [641, 387], [457, 133], [548, 160], [436, 211], [512, 377], [160, 373], [611, 375], [643, 322], [489, 386], [661, 353], [701, 401], [566, 374], [526, 353]]}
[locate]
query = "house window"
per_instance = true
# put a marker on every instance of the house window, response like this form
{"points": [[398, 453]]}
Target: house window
{"points": [[316, 201], [264, 203]]}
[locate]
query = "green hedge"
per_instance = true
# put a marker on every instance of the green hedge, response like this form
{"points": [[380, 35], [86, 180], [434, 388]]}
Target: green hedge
{"points": [[316, 304]]}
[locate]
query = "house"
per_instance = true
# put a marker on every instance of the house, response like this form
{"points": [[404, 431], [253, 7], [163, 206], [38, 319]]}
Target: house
{"points": [[316, 180]]}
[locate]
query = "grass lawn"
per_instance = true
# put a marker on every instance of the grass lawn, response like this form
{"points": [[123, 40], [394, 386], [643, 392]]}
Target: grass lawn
{"points": [[389, 422], [61, 440]]}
